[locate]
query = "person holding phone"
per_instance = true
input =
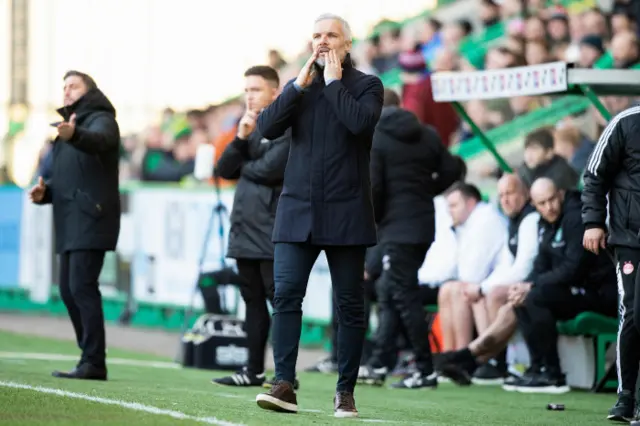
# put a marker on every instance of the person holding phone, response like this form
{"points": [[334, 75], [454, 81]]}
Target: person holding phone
{"points": [[83, 189]]}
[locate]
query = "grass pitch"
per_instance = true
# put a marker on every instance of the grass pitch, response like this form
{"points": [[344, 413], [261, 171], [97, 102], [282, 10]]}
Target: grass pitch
{"points": [[155, 393]]}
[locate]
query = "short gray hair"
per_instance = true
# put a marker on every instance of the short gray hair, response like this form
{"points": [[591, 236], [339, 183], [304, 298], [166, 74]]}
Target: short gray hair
{"points": [[346, 28]]}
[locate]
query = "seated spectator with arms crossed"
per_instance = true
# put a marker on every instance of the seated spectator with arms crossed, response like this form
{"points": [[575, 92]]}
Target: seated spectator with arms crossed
{"points": [[566, 280]]}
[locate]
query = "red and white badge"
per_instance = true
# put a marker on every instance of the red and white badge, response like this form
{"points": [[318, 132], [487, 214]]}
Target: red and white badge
{"points": [[627, 268]]}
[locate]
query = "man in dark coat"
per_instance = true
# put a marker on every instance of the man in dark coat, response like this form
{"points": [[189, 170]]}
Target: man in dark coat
{"points": [[332, 109], [409, 166], [86, 211], [259, 165]]}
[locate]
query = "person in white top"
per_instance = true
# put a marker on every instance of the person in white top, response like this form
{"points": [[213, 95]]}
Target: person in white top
{"points": [[440, 262], [514, 266], [481, 234]]}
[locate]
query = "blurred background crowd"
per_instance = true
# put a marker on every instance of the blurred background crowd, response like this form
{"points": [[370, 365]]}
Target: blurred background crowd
{"points": [[509, 33]]}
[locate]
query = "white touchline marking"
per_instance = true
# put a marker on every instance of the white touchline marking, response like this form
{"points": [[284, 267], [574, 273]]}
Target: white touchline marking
{"points": [[115, 361], [130, 405]]}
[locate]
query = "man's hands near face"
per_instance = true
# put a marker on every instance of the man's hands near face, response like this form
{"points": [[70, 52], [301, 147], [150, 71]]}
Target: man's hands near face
{"points": [[247, 124], [332, 66], [305, 77]]}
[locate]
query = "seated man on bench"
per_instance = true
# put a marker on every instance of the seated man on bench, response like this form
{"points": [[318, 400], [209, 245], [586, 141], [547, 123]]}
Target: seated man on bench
{"points": [[566, 280]]}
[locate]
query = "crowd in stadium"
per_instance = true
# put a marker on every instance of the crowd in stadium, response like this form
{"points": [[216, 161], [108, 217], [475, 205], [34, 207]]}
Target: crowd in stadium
{"points": [[588, 37], [484, 292]]}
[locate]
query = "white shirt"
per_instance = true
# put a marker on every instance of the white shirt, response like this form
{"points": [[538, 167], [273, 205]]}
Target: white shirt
{"points": [[480, 240], [440, 262], [510, 269]]}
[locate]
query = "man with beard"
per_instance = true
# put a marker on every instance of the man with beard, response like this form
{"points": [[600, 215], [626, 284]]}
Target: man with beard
{"points": [[83, 190], [332, 109], [259, 165]]}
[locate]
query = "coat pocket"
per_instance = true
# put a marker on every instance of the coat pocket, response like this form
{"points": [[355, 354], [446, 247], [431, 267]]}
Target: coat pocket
{"points": [[88, 205]]}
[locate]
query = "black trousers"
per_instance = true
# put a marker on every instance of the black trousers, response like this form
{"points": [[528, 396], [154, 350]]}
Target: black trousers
{"points": [[399, 305], [544, 306], [256, 289], [79, 272], [292, 266], [428, 296], [628, 350], [369, 298]]}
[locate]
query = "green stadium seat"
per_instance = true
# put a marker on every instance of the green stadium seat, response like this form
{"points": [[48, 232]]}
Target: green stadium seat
{"points": [[588, 324], [602, 329]]}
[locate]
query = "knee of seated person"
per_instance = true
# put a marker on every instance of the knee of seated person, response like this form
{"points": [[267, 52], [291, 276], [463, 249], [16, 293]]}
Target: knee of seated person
{"points": [[444, 293], [497, 295]]}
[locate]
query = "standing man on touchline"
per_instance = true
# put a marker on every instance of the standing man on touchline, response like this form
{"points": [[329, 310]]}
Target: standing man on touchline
{"points": [[332, 109], [258, 164], [83, 190], [613, 169]]}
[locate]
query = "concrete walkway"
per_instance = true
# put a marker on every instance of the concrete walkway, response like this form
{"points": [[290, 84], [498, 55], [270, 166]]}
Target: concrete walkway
{"points": [[149, 341]]}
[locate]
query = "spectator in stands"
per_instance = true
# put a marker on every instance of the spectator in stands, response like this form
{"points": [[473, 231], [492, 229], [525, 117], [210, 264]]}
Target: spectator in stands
{"points": [[566, 280], [362, 55], [388, 46], [430, 38], [404, 158], [540, 160], [259, 166], [161, 165], [481, 233], [569, 144], [595, 22], [417, 95], [625, 50], [558, 28], [591, 49], [489, 13], [514, 266], [535, 29], [537, 53], [622, 19], [523, 105], [453, 33]]}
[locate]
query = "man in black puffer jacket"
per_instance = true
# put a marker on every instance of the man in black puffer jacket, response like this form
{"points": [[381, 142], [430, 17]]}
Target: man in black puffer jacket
{"points": [[259, 166], [409, 166], [86, 211]]}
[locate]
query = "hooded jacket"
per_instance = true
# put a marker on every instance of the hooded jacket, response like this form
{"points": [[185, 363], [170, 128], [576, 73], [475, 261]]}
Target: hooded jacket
{"points": [[409, 166], [83, 187]]}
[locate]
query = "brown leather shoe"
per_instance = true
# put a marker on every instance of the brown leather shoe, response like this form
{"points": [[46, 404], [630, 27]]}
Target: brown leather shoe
{"points": [[344, 405], [281, 397]]}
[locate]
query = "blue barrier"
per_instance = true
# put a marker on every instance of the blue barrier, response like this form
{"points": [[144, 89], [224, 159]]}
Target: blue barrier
{"points": [[10, 223]]}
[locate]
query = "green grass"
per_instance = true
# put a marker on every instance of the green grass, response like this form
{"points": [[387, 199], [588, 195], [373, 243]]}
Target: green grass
{"points": [[13, 342], [190, 392]]}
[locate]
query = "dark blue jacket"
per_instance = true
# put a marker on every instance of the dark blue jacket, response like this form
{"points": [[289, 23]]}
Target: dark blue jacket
{"points": [[326, 196]]}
